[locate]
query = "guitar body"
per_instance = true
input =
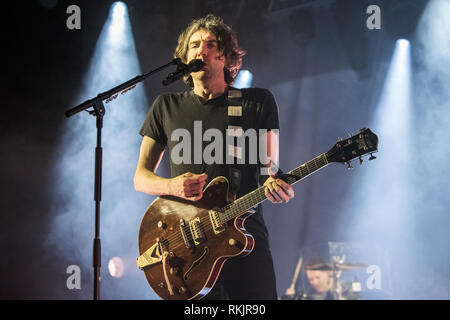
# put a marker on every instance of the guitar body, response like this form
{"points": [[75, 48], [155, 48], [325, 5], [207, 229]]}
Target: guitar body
{"points": [[182, 250]]}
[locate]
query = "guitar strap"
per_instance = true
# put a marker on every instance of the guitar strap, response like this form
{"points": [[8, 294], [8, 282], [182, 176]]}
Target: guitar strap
{"points": [[235, 130]]}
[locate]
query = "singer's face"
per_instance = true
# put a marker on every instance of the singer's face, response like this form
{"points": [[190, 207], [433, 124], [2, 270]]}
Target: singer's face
{"points": [[203, 45]]}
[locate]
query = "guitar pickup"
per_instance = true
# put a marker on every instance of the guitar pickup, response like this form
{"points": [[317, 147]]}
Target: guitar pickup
{"points": [[186, 234], [216, 222], [197, 233]]}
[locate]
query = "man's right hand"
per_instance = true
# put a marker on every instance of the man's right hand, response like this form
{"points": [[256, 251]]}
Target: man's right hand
{"points": [[188, 186]]}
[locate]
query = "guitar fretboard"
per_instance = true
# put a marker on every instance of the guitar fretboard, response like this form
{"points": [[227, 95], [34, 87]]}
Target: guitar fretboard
{"points": [[244, 203]]}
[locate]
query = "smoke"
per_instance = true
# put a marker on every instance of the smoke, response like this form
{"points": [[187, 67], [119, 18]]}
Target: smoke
{"points": [[122, 208], [402, 201], [432, 150], [433, 86]]}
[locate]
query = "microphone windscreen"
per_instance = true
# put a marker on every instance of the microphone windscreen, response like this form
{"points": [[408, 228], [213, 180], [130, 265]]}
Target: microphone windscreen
{"points": [[196, 65]]}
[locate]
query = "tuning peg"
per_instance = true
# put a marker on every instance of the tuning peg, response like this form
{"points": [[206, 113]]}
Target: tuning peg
{"points": [[349, 166], [372, 157], [362, 129], [360, 161]]}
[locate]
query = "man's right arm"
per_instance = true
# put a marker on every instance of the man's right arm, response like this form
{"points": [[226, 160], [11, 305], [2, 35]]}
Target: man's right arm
{"points": [[145, 178], [188, 185]]}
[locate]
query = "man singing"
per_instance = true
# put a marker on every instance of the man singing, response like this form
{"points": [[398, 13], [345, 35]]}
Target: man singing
{"points": [[206, 107]]}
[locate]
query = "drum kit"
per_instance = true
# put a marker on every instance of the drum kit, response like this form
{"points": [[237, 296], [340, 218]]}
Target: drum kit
{"points": [[331, 271], [334, 270]]}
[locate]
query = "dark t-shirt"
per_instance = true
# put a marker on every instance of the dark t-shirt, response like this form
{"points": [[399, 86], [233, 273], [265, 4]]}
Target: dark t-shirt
{"points": [[182, 122]]}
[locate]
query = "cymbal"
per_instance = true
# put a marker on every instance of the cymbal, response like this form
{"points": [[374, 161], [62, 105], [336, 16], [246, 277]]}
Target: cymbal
{"points": [[340, 266], [320, 266], [350, 266]]}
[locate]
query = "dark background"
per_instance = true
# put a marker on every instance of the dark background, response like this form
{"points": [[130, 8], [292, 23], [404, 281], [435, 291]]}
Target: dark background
{"points": [[327, 72]]}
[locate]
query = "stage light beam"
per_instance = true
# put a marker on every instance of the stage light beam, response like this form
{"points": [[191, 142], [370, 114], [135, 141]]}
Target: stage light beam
{"points": [[381, 198], [116, 267], [114, 61], [243, 79], [119, 13]]}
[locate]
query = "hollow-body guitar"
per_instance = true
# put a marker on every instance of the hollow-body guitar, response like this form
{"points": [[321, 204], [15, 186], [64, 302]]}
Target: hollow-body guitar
{"points": [[184, 244]]}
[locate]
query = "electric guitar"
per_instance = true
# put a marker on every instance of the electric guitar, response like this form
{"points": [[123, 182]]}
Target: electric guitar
{"points": [[183, 244]]}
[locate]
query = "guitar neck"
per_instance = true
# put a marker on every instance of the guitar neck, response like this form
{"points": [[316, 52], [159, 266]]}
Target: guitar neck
{"points": [[244, 203]]}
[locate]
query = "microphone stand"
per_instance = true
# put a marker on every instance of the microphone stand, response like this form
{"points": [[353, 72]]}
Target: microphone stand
{"points": [[98, 112]]}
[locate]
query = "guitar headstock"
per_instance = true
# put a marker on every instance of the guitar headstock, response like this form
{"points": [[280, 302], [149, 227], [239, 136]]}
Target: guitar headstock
{"points": [[363, 143]]}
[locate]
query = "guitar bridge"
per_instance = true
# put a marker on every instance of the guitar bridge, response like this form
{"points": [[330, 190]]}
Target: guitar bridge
{"points": [[216, 221]]}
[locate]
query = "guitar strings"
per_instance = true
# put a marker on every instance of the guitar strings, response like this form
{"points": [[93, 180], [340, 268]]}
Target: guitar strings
{"points": [[240, 204], [240, 207]]}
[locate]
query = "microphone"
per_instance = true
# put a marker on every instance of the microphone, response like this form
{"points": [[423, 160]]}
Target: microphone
{"points": [[183, 69]]}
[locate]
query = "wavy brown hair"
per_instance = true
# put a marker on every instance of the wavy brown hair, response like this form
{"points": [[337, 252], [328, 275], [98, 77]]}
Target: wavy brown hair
{"points": [[226, 41]]}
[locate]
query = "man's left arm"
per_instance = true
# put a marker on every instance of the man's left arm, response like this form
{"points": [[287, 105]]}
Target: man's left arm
{"points": [[276, 190]]}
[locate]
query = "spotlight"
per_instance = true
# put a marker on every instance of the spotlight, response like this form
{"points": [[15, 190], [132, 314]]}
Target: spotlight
{"points": [[118, 9], [243, 79], [403, 43], [116, 267], [118, 14]]}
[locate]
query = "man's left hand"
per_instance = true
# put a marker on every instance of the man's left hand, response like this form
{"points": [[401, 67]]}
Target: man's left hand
{"points": [[278, 190]]}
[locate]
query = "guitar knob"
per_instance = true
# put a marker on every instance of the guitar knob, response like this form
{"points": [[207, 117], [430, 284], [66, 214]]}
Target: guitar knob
{"points": [[162, 225]]}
